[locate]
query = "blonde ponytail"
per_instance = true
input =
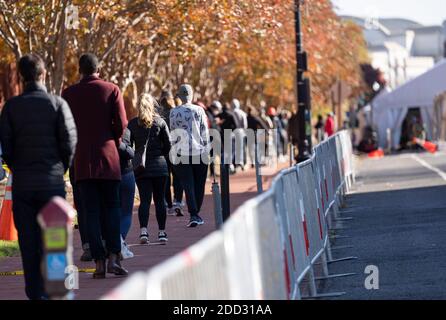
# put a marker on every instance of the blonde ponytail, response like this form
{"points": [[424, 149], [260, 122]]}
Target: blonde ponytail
{"points": [[146, 110]]}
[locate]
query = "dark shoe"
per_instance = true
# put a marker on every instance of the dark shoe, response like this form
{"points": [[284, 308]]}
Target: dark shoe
{"points": [[200, 221], [86, 256], [114, 266], [99, 273], [179, 212], [194, 221]]}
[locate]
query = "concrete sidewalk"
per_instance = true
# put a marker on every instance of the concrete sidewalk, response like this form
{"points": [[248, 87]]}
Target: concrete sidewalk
{"points": [[399, 226], [242, 188]]}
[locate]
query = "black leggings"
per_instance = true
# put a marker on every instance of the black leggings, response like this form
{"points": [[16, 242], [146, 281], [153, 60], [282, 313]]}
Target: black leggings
{"points": [[147, 187], [173, 180]]}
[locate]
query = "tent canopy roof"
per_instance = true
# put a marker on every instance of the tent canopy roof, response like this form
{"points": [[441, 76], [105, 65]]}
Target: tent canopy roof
{"points": [[418, 92]]}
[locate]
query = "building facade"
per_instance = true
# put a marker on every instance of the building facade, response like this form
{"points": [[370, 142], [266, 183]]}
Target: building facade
{"points": [[402, 49]]}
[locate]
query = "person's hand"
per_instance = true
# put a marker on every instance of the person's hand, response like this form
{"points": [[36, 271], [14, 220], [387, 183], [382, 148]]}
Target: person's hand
{"points": [[118, 143]]}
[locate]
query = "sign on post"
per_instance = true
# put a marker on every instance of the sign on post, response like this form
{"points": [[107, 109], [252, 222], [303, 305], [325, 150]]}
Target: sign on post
{"points": [[55, 220]]}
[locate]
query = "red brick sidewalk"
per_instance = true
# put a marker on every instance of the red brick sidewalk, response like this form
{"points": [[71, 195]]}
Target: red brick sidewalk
{"points": [[243, 187]]}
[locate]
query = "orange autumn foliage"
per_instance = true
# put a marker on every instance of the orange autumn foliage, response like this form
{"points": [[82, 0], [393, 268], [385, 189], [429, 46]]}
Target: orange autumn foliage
{"points": [[224, 48]]}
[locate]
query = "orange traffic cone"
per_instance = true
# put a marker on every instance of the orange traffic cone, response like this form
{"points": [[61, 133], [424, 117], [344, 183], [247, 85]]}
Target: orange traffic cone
{"points": [[431, 147], [7, 227], [427, 145], [377, 154]]}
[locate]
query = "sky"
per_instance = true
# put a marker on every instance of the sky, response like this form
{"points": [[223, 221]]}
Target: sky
{"points": [[427, 12]]}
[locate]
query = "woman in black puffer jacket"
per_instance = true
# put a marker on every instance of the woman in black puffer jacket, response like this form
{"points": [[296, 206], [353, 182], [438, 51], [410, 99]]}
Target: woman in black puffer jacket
{"points": [[149, 126]]}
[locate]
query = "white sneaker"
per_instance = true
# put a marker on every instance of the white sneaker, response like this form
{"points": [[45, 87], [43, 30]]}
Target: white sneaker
{"points": [[182, 204], [125, 252], [171, 211], [162, 236], [177, 208], [144, 236]]}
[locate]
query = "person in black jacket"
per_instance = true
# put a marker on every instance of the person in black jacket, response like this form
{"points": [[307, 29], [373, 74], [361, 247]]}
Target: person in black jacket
{"points": [[319, 128], [255, 123], [126, 190], [228, 122], [167, 104], [38, 137], [149, 131]]}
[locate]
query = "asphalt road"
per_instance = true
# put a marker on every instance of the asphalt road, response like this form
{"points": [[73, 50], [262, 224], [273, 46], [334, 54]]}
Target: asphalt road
{"points": [[399, 226]]}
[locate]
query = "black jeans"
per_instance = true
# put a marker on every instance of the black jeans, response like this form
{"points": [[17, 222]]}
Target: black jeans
{"points": [[101, 197], [193, 179], [81, 217], [147, 187], [26, 206]]}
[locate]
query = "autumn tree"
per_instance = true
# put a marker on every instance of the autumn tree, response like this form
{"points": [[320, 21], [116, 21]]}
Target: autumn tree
{"points": [[224, 48]]}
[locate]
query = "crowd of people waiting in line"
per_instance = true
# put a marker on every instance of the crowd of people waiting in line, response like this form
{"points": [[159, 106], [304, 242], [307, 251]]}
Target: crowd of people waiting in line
{"points": [[86, 132]]}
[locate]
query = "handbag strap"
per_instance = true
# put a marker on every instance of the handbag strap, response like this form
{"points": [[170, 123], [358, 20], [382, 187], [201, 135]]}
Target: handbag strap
{"points": [[147, 140]]}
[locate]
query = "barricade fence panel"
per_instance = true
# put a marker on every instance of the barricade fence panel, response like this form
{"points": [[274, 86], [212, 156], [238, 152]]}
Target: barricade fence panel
{"points": [[296, 232], [308, 204], [267, 247], [241, 255], [288, 254], [318, 201], [203, 264], [328, 175], [262, 251]]}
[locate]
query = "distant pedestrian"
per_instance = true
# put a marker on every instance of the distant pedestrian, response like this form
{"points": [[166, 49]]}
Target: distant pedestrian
{"points": [[215, 139], [38, 138], [268, 137], [277, 139], [255, 123], [191, 120], [98, 109], [208, 113], [216, 108], [240, 134], [167, 104], [150, 135], [329, 125], [284, 116], [293, 131], [228, 123], [266, 119], [319, 128]]}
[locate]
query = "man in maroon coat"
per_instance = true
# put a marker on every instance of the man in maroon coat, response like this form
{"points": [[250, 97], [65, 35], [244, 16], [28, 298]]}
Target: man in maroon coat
{"points": [[99, 113]]}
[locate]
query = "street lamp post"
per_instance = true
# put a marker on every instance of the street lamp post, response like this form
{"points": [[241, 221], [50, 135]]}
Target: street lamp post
{"points": [[303, 92]]}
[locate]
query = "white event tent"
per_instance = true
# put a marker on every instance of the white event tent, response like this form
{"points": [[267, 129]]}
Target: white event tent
{"points": [[390, 109]]}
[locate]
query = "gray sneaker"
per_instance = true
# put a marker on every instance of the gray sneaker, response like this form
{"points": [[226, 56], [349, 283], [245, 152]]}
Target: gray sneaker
{"points": [[171, 211], [144, 238], [194, 221]]}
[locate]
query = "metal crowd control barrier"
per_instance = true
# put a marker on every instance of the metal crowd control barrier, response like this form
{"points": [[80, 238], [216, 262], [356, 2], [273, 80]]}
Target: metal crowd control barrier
{"points": [[270, 246]]}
